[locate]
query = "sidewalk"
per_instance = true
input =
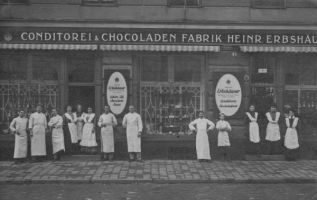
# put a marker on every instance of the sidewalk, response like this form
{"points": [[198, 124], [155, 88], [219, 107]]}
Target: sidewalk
{"points": [[159, 171]]}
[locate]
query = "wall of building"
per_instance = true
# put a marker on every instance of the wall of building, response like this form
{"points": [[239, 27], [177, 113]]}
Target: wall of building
{"points": [[229, 11]]}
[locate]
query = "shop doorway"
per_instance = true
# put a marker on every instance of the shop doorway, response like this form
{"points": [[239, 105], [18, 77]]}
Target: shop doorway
{"points": [[83, 95]]}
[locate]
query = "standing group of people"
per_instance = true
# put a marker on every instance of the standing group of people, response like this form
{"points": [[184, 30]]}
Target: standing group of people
{"points": [[79, 127], [273, 137], [278, 127]]}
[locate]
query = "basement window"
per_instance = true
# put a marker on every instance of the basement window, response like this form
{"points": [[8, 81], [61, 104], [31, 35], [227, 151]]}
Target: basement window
{"points": [[186, 3]]}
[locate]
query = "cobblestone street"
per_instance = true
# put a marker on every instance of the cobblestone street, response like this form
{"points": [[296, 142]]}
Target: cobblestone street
{"points": [[160, 171]]}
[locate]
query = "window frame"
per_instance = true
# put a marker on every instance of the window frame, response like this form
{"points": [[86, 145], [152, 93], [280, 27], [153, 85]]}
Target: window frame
{"points": [[199, 5]]}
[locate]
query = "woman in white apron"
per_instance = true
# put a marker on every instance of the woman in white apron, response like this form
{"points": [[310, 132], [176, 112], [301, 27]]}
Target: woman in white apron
{"points": [[70, 130], [291, 137], [18, 127], [56, 125], [88, 142], [273, 135], [253, 128], [224, 128]]}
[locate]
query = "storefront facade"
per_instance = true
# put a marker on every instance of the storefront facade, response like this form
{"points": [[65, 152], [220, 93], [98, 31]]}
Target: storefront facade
{"points": [[170, 72]]}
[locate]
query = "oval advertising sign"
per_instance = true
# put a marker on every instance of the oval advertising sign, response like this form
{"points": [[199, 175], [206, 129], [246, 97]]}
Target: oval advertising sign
{"points": [[117, 93], [228, 94]]}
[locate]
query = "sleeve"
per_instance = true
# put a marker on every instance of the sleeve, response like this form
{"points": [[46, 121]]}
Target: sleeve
{"points": [[60, 122], [124, 121], [84, 118], [211, 125], [140, 125], [114, 120], [12, 125], [217, 125], [50, 123], [229, 127], [100, 121], [268, 117], [192, 125], [31, 121]]}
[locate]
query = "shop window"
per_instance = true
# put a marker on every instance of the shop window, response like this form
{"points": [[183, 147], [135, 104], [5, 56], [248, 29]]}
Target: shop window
{"points": [[189, 3], [187, 69], [45, 67], [301, 87], [168, 104], [13, 67], [80, 68], [154, 68]]}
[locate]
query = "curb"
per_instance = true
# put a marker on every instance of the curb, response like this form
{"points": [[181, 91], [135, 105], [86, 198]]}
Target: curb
{"points": [[160, 181]]}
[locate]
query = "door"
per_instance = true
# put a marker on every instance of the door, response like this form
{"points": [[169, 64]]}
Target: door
{"points": [[83, 95]]}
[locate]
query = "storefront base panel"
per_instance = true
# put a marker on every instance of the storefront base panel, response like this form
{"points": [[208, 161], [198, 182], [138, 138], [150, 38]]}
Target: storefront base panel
{"points": [[174, 149]]}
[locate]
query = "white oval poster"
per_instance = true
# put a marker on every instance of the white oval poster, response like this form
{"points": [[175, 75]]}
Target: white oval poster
{"points": [[228, 94], [117, 93]]}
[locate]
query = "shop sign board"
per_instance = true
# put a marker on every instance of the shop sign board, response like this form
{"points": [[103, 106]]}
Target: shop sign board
{"points": [[228, 94], [114, 36], [117, 93]]}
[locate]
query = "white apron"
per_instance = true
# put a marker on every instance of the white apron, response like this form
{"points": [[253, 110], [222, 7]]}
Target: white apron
{"points": [[21, 143], [273, 129], [72, 129], [57, 133], [107, 138], [291, 136], [254, 132], [202, 141], [223, 137], [133, 124], [79, 124], [89, 136], [38, 125]]}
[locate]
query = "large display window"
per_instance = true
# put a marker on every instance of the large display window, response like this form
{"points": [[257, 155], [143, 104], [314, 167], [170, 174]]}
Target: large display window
{"points": [[301, 87], [171, 100]]}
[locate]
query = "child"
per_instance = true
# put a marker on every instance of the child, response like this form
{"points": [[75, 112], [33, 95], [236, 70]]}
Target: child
{"points": [[291, 136], [254, 132], [273, 135], [223, 128], [18, 126]]}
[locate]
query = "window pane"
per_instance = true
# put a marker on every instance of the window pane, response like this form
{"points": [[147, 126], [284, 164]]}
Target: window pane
{"points": [[263, 69], [45, 67], [81, 68], [154, 68], [13, 67], [187, 68]]}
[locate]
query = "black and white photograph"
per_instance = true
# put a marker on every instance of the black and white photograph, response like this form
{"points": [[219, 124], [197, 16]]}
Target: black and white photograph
{"points": [[158, 99]]}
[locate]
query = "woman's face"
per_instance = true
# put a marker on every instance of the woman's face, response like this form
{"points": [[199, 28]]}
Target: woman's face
{"points": [[222, 116], [252, 108], [89, 110], [69, 109]]}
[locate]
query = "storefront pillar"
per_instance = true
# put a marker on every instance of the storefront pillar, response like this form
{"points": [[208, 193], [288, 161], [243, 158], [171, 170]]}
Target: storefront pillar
{"points": [[63, 85], [98, 84]]}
